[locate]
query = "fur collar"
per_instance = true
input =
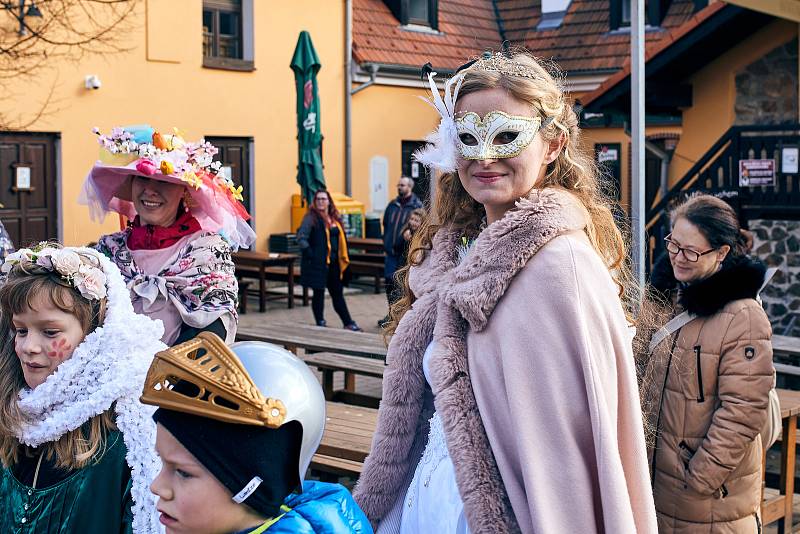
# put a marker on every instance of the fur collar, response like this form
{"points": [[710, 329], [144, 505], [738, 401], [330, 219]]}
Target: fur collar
{"points": [[741, 278], [505, 246]]}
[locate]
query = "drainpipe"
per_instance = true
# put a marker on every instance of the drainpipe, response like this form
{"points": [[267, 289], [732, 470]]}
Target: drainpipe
{"points": [[348, 83], [373, 73], [348, 96]]}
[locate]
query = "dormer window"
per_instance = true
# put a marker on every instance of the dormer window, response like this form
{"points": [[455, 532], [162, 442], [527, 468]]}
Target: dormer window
{"points": [[655, 11], [423, 13], [419, 12]]}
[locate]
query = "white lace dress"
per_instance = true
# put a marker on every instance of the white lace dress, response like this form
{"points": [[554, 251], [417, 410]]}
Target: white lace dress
{"points": [[432, 503]]}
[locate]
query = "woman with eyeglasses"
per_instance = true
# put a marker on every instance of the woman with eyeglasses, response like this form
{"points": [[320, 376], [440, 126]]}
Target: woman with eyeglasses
{"points": [[706, 373]]}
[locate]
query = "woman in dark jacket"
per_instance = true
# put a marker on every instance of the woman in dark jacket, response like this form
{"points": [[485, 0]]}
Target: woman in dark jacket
{"points": [[324, 247]]}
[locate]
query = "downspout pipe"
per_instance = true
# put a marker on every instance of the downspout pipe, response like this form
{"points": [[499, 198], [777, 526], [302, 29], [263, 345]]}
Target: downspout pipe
{"points": [[373, 73], [348, 98]]}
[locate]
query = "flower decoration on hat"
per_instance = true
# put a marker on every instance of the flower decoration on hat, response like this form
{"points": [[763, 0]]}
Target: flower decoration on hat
{"points": [[81, 270], [143, 151]]}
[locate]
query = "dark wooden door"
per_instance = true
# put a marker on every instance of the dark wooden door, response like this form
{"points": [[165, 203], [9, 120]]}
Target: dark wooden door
{"points": [[234, 152], [29, 214], [608, 157], [413, 169]]}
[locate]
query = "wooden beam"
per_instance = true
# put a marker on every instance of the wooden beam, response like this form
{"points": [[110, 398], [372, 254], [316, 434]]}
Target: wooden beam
{"points": [[785, 9], [668, 95]]}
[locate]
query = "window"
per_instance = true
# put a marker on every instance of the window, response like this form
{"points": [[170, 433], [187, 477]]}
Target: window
{"points": [[227, 24], [419, 12], [625, 20], [415, 12], [222, 29], [654, 13]]}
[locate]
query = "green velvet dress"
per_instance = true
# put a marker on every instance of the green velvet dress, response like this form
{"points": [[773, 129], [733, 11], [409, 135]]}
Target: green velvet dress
{"points": [[95, 499]]}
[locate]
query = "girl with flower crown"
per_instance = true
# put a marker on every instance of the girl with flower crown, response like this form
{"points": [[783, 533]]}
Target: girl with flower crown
{"points": [[185, 218], [75, 442], [510, 402]]}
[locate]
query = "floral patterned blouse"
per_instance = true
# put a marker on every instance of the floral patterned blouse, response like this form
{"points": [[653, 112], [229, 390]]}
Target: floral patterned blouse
{"points": [[192, 282]]}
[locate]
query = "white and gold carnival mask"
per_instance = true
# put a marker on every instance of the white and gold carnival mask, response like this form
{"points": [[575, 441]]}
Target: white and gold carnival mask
{"points": [[498, 135]]}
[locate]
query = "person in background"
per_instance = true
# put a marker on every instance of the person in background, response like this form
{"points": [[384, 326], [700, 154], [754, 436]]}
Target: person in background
{"points": [[324, 258], [394, 221], [402, 244], [705, 386], [185, 218]]}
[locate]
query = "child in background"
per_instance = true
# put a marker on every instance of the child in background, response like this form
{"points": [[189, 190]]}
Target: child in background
{"points": [[75, 443], [401, 246], [237, 428]]}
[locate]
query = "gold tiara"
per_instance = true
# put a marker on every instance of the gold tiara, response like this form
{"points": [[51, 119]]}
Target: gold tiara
{"points": [[204, 377], [500, 63]]}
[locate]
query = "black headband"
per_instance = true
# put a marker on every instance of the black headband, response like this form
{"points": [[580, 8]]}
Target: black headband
{"points": [[236, 454]]}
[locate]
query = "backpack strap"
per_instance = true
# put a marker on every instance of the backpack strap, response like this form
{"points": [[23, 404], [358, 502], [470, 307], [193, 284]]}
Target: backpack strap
{"points": [[674, 324]]}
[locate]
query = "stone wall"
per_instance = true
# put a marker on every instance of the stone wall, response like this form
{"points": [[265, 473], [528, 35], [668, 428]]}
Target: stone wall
{"points": [[766, 90], [777, 243]]}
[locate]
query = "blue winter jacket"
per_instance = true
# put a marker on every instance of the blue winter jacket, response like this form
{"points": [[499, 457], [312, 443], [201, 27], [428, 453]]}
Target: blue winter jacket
{"points": [[322, 508]]}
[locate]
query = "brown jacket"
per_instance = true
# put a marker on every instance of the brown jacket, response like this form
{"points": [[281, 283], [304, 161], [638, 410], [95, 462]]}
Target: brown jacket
{"points": [[705, 392]]}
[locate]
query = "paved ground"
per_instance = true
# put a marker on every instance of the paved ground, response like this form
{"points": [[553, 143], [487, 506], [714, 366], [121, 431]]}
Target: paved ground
{"points": [[365, 307]]}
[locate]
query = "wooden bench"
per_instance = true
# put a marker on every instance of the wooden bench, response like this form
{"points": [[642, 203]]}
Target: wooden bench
{"points": [[329, 363], [331, 468], [346, 441], [369, 269], [244, 285], [273, 274]]}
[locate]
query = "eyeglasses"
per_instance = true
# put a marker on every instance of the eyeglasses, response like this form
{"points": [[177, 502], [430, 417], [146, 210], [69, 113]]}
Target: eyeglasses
{"points": [[689, 254]]}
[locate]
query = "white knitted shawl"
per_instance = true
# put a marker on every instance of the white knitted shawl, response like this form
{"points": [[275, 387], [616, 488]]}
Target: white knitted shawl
{"points": [[108, 367]]}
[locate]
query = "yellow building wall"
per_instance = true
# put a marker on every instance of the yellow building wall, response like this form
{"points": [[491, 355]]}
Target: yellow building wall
{"points": [[161, 81], [384, 117], [714, 95]]}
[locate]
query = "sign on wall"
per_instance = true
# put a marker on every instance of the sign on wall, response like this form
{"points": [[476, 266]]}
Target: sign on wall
{"points": [[789, 159], [756, 172]]}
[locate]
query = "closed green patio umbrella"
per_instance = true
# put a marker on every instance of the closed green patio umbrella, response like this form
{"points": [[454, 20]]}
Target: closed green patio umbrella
{"points": [[305, 65]]}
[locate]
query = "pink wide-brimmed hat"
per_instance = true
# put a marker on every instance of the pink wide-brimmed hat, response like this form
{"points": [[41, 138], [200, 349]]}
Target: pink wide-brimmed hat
{"points": [[213, 199]]}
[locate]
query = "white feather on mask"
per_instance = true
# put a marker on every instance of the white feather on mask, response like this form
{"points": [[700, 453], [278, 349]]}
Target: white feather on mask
{"points": [[440, 153]]}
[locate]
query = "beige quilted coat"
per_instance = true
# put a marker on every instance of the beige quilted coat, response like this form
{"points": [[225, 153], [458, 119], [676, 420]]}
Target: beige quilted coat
{"points": [[705, 393]]}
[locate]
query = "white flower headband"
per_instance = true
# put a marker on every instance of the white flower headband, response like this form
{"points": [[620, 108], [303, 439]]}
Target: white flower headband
{"points": [[89, 280]]}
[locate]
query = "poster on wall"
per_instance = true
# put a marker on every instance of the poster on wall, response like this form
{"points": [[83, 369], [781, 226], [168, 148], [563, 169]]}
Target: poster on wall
{"points": [[789, 159], [607, 154], [756, 172]]}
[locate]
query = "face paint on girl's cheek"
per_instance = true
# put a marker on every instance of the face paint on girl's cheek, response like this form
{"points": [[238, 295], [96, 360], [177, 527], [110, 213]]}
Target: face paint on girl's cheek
{"points": [[59, 349]]}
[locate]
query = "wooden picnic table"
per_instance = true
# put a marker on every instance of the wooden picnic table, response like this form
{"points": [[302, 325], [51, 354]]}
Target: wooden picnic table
{"points": [[314, 338], [329, 363], [786, 346], [348, 431], [367, 244], [780, 507], [260, 262]]}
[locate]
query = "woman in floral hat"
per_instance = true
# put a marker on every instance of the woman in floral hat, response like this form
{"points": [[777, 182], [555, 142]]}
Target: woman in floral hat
{"points": [[184, 216]]}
